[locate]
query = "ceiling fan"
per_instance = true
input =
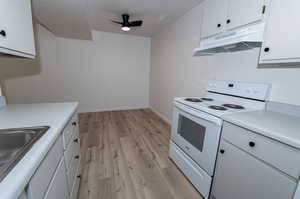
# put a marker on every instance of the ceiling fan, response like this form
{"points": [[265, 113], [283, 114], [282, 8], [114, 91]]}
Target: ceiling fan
{"points": [[126, 24]]}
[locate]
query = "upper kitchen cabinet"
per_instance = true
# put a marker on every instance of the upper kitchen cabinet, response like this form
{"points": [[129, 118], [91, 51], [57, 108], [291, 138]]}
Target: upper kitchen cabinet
{"points": [[282, 34], [16, 28], [214, 14], [221, 15], [243, 12]]}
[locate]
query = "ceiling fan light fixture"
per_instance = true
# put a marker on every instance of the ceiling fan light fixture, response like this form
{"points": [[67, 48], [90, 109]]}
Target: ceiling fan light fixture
{"points": [[125, 28], [126, 24]]}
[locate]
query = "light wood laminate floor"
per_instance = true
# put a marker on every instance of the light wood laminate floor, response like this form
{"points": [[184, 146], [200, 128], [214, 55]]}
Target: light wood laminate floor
{"points": [[125, 156]]}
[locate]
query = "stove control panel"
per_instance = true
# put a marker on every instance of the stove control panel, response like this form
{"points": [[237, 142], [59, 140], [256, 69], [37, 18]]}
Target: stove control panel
{"points": [[258, 91]]}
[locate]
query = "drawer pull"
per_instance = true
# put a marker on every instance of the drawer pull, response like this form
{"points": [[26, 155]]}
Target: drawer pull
{"points": [[222, 151], [77, 157], [74, 123], [252, 144], [267, 49], [76, 140], [79, 176], [3, 33]]}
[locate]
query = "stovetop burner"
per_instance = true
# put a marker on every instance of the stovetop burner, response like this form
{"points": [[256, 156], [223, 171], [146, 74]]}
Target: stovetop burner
{"points": [[219, 108], [193, 100], [233, 106], [207, 99]]}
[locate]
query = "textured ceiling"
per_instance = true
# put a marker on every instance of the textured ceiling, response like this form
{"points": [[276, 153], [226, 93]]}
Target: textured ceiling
{"points": [[76, 18]]}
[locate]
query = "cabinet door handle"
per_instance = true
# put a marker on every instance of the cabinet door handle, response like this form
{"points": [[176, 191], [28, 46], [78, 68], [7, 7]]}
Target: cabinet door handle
{"points": [[222, 151], [74, 123], [79, 176], [77, 157], [3, 33], [267, 49], [76, 140], [228, 21], [219, 25], [252, 144]]}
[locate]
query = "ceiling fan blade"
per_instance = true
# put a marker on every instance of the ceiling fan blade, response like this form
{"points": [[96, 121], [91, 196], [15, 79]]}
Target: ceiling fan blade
{"points": [[136, 23], [117, 22]]}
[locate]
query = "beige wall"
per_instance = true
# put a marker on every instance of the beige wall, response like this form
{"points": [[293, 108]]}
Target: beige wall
{"points": [[111, 72], [175, 72]]}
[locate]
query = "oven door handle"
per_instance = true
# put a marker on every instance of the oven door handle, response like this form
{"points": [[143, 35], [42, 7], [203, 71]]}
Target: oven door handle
{"points": [[198, 114]]}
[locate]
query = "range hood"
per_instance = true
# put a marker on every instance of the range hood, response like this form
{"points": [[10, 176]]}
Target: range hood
{"points": [[232, 41]]}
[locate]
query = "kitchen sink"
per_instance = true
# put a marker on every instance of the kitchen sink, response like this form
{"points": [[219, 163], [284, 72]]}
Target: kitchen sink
{"points": [[15, 143]]}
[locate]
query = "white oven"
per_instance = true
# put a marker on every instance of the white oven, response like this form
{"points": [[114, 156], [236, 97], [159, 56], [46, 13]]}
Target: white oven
{"points": [[197, 134], [197, 124]]}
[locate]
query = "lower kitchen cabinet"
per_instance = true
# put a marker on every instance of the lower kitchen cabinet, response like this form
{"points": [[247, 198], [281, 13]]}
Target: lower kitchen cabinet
{"points": [[58, 176], [241, 175], [58, 186]]}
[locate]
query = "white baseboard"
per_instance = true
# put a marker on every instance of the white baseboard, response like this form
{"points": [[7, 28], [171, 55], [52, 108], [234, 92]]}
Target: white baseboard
{"points": [[161, 115]]}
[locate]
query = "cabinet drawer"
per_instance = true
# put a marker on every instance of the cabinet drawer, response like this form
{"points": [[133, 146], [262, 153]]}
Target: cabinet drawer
{"points": [[76, 183], [71, 128], [197, 176], [42, 177], [58, 186], [72, 173], [72, 151], [74, 122], [67, 133], [280, 156]]}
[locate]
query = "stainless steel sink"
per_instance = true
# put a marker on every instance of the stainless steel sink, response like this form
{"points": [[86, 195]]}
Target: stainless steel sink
{"points": [[15, 143]]}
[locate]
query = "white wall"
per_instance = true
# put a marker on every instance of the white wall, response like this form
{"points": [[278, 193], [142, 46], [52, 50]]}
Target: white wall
{"points": [[111, 72], [175, 72]]}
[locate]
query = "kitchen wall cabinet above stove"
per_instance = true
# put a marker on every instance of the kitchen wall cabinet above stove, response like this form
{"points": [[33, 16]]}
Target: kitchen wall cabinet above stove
{"points": [[282, 34], [16, 28], [223, 15]]}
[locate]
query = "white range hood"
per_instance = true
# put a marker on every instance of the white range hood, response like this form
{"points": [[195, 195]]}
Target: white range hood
{"points": [[232, 41]]}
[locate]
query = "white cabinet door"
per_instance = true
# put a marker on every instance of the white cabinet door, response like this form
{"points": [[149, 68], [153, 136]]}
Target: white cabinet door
{"points": [[58, 188], [243, 12], [41, 179], [282, 35], [16, 29], [214, 15], [240, 175]]}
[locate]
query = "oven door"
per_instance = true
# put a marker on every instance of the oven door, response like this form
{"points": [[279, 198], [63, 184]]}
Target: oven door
{"points": [[197, 134]]}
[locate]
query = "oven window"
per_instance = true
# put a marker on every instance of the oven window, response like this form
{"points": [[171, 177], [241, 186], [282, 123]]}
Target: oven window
{"points": [[192, 132]]}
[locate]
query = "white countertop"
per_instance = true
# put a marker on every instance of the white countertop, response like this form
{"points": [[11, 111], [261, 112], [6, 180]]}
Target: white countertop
{"points": [[281, 127], [55, 115]]}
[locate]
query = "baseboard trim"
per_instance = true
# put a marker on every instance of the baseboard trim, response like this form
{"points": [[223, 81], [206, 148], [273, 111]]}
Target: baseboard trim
{"points": [[113, 109], [164, 118]]}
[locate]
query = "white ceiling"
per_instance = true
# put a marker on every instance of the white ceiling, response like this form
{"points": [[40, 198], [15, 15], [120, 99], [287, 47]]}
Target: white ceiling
{"points": [[76, 18]]}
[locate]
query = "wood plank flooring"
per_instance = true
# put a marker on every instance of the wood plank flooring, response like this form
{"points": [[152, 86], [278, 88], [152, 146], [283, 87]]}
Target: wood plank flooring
{"points": [[125, 156]]}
